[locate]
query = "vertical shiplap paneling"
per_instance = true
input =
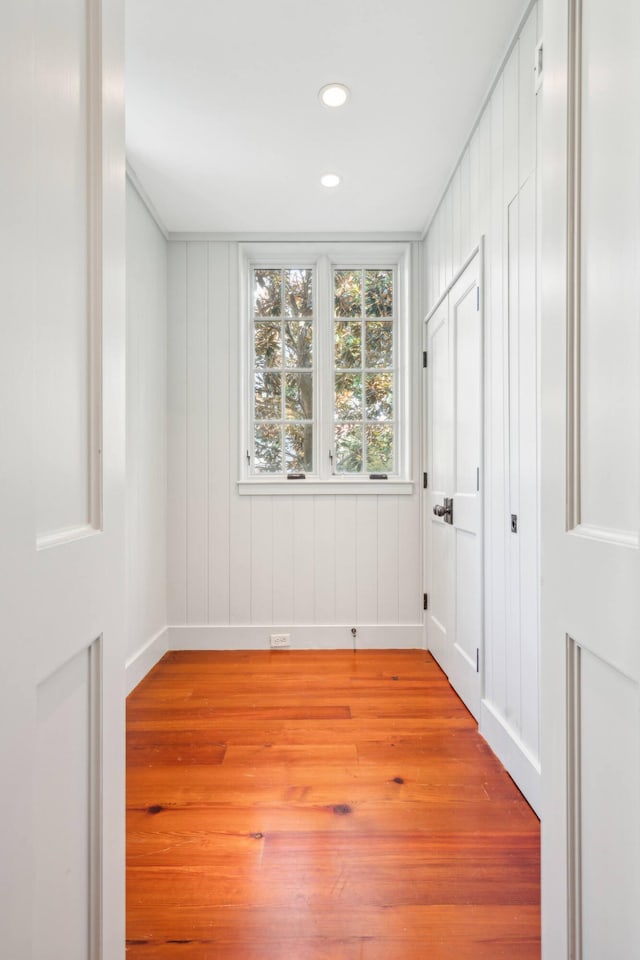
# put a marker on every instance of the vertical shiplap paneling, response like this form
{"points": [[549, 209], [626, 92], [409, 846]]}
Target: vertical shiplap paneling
{"points": [[324, 560], [258, 560], [197, 434], [367, 559], [512, 703], [456, 223], [304, 529], [514, 639], [239, 552], [442, 239], [410, 585], [218, 437], [493, 193], [346, 562], [528, 474], [511, 131], [465, 207], [474, 190], [146, 493], [177, 435], [496, 532], [527, 98], [485, 185], [283, 560], [388, 560], [426, 271], [262, 560], [446, 242]]}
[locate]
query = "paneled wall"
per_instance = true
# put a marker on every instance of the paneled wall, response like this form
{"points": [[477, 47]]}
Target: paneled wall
{"points": [[146, 504], [239, 565], [494, 194]]}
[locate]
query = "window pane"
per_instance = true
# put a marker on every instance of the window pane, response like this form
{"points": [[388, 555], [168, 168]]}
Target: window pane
{"points": [[298, 293], [267, 348], [379, 293], [299, 396], [348, 446], [267, 287], [348, 344], [348, 293], [379, 448], [267, 448], [268, 396], [379, 396], [348, 396], [298, 343], [298, 447], [379, 334]]}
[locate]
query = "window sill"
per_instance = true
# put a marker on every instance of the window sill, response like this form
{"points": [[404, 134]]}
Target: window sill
{"points": [[268, 488]]}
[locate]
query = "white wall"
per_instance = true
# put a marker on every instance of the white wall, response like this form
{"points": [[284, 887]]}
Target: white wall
{"points": [[241, 566], [146, 506], [494, 193]]}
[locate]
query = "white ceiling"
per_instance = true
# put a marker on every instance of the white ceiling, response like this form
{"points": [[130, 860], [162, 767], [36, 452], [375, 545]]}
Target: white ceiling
{"points": [[226, 133]]}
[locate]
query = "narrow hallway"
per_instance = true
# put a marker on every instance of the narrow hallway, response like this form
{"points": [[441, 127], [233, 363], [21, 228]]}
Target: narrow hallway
{"points": [[321, 804]]}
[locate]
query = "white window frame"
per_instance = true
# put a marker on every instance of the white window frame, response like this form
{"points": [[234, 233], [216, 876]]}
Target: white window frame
{"points": [[325, 258]]}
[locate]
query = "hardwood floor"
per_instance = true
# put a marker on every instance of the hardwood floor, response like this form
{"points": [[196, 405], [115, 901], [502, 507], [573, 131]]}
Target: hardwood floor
{"points": [[301, 805]]}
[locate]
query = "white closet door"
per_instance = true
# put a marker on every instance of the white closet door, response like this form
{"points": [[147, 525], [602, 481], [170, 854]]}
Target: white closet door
{"points": [[62, 482], [591, 483], [453, 501]]}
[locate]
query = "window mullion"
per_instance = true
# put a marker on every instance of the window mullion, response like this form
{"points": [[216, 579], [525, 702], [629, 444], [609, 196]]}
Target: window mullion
{"points": [[324, 376]]}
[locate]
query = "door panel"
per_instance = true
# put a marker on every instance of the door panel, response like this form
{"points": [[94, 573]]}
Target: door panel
{"points": [[454, 447], [64, 818], [60, 250], [608, 784]]}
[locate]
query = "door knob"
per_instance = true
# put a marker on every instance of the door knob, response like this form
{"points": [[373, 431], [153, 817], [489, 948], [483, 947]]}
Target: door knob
{"points": [[445, 510]]}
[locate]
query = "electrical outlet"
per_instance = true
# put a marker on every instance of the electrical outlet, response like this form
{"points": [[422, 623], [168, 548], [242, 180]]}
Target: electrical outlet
{"points": [[280, 639]]}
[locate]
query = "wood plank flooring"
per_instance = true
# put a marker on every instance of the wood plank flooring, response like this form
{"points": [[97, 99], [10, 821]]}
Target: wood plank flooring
{"points": [[302, 805]]}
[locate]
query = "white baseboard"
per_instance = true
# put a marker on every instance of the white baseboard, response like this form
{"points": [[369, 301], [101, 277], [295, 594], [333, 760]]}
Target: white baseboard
{"points": [[521, 765], [237, 637], [139, 665]]}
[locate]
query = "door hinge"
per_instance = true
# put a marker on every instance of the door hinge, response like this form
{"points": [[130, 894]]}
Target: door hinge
{"points": [[424, 358], [425, 480], [425, 601], [477, 660], [477, 298]]}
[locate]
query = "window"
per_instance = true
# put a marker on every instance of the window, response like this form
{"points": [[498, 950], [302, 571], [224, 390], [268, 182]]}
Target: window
{"points": [[282, 341], [325, 380], [363, 376]]}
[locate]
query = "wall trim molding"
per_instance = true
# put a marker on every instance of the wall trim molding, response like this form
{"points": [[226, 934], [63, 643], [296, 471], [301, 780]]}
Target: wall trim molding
{"points": [[303, 637], [144, 659], [134, 180], [519, 763]]}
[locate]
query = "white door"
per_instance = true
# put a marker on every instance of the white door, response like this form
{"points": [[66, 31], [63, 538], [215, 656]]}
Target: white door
{"points": [[591, 482], [453, 498], [61, 481]]}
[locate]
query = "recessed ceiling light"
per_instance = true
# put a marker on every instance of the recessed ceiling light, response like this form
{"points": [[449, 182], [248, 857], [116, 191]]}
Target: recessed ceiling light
{"points": [[334, 94], [330, 180]]}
